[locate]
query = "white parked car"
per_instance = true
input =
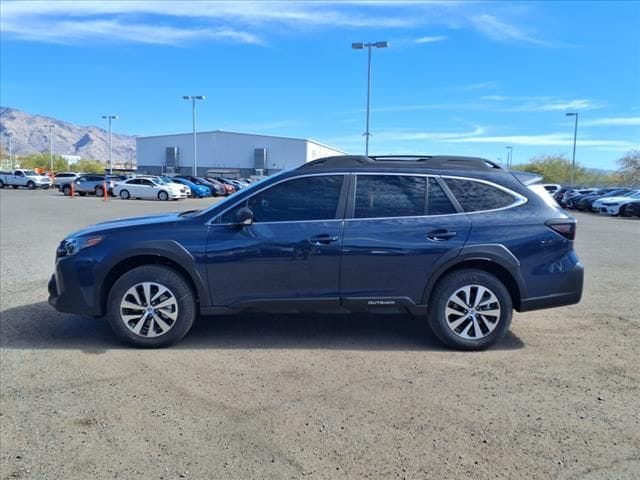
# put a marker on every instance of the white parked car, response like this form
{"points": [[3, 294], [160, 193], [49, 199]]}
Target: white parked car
{"points": [[611, 205], [149, 188]]}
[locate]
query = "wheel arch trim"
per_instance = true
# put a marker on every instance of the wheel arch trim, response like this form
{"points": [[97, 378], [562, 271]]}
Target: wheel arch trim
{"points": [[494, 258], [167, 252]]}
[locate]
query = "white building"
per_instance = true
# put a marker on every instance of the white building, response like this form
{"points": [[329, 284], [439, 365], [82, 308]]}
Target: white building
{"points": [[226, 153]]}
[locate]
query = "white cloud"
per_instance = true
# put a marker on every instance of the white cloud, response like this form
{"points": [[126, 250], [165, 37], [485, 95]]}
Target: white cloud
{"points": [[497, 29], [250, 21], [549, 140], [433, 39], [611, 122], [74, 31]]}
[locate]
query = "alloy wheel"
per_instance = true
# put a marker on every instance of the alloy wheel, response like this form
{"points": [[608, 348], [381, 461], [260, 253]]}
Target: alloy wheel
{"points": [[149, 309], [472, 312]]}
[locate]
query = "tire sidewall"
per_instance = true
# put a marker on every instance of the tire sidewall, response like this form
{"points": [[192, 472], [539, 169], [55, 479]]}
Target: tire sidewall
{"points": [[124, 194], [162, 195], [450, 284], [31, 185], [99, 192], [164, 276]]}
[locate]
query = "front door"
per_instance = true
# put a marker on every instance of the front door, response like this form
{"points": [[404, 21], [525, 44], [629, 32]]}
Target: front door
{"points": [[289, 256]]}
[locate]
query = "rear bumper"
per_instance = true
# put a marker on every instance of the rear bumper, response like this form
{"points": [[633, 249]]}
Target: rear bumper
{"points": [[572, 293]]}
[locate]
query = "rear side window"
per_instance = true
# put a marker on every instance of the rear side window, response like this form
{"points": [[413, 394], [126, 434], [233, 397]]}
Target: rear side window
{"points": [[299, 199], [476, 196], [439, 203], [380, 196]]}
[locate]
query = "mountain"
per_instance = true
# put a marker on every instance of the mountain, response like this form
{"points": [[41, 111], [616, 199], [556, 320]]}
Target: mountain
{"points": [[30, 135]]}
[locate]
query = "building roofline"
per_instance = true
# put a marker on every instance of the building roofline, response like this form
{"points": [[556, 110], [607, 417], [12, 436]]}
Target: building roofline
{"points": [[242, 133]]}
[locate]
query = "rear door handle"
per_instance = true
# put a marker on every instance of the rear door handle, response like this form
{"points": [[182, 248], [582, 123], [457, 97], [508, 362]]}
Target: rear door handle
{"points": [[440, 235], [324, 239]]}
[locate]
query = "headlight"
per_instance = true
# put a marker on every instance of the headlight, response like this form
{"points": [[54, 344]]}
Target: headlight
{"points": [[71, 246]]}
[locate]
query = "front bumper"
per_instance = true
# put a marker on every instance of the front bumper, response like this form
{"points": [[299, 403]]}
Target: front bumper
{"points": [[69, 291]]}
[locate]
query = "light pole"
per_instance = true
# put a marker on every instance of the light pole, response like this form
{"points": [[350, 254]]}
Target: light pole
{"points": [[509, 156], [360, 46], [110, 117], [50, 127], [575, 136], [10, 134], [193, 99]]}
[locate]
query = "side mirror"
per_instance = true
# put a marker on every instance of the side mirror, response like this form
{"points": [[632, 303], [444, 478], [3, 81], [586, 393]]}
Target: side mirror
{"points": [[243, 217]]}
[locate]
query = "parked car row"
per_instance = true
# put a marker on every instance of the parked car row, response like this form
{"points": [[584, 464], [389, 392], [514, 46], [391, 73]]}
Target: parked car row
{"points": [[146, 186], [610, 201]]}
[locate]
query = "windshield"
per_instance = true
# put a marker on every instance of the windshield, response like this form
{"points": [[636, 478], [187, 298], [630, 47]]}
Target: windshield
{"points": [[30, 173]]}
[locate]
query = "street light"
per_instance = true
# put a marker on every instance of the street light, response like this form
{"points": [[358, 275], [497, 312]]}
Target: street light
{"points": [[360, 46], [193, 99], [575, 136], [110, 117], [50, 127], [509, 156]]}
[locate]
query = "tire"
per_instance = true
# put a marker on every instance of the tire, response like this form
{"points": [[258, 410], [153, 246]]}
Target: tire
{"points": [[1, 184], [168, 324], [66, 191], [31, 185], [124, 194], [162, 195], [99, 192], [446, 315]]}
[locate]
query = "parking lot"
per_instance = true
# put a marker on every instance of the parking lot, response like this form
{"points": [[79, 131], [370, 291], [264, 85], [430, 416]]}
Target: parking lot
{"points": [[283, 396]]}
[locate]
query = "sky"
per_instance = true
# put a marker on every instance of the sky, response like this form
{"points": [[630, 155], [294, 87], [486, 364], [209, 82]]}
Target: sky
{"points": [[466, 78]]}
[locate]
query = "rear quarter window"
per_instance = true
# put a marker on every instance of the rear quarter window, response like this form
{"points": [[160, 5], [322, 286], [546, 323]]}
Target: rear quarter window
{"points": [[475, 196]]}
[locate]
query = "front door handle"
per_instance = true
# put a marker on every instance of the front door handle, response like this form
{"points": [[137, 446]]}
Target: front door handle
{"points": [[440, 235], [324, 239]]}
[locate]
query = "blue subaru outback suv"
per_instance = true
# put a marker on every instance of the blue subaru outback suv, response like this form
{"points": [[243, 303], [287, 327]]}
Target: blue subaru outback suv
{"points": [[457, 241]]}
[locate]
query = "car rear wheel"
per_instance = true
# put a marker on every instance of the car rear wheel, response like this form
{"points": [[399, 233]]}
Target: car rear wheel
{"points": [[162, 195], [124, 194], [66, 190], [99, 192], [151, 306], [470, 310]]}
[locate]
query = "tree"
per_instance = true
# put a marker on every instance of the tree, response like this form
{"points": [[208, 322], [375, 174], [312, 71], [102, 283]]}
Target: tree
{"points": [[557, 169], [629, 170]]}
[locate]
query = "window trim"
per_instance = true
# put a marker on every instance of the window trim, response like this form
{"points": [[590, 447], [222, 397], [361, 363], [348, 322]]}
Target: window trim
{"points": [[340, 210], [349, 217], [519, 199]]}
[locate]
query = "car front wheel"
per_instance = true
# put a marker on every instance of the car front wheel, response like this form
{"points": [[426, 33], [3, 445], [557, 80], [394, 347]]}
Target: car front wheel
{"points": [[470, 310], [162, 195], [151, 306]]}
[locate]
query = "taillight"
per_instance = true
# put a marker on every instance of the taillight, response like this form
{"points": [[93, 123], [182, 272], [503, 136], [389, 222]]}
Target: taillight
{"points": [[563, 226]]}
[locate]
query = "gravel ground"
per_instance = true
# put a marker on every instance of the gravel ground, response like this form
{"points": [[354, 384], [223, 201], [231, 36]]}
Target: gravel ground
{"points": [[267, 396]]}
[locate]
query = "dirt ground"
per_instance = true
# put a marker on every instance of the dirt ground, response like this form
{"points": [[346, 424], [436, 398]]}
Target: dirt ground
{"points": [[277, 397]]}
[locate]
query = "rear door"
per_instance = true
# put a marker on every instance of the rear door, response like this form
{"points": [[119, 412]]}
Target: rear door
{"points": [[397, 228]]}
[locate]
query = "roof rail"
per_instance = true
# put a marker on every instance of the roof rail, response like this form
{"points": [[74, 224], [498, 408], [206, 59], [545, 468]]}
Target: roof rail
{"points": [[394, 161]]}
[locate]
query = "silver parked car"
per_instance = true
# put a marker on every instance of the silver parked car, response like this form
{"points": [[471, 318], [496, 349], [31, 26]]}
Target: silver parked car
{"points": [[63, 178], [88, 184]]}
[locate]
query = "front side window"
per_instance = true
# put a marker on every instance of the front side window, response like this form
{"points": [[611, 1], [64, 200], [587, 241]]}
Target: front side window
{"points": [[476, 196], [299, 199]]}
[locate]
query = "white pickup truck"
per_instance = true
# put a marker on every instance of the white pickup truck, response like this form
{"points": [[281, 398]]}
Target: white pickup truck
{"points": [[24, 178]]}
